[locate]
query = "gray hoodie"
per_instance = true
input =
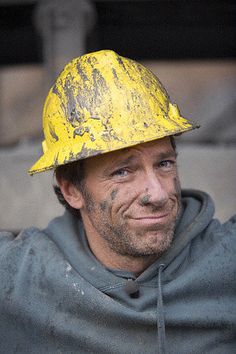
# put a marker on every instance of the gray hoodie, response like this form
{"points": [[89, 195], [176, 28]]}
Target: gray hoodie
{"points": [[55, 297]]}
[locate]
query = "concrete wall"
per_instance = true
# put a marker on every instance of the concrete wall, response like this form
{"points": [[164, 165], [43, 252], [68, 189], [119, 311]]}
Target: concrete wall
{"points": [[205, 92]]}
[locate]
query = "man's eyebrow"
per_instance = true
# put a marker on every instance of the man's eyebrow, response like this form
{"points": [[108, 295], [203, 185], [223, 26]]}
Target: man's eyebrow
{"points": [[123, 161], [131, 158], [166, 155], [120, 162]]}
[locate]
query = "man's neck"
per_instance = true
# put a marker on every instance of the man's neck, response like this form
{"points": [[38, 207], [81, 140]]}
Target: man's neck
{"points": [[110, 259]]}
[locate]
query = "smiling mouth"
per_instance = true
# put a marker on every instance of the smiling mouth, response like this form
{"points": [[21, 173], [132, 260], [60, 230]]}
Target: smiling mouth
{"points": [[152, 217]]}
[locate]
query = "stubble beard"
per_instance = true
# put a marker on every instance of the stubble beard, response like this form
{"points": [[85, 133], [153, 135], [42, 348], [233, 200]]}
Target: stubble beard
{"points": [[153, 241], [125, 242]]}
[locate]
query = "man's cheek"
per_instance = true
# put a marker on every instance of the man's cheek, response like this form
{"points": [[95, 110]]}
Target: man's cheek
{"points": [[104, 205], [114, 193], [107, 204]]}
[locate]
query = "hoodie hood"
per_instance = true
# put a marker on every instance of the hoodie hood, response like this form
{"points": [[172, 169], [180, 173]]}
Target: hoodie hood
{"points": [[68, 233]]}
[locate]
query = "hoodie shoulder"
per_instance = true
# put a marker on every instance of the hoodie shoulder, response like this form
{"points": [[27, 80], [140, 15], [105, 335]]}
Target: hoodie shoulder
{"points": [[32, 241], [25, 239], [227, 233], [29, 251], [230, 225]]}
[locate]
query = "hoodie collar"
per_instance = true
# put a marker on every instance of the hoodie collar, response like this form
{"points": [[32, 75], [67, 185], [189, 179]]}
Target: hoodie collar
{"points": [[68, 233]]}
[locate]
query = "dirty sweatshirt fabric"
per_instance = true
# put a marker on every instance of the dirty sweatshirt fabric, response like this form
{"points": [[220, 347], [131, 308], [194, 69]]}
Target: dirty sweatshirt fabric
{"points": [[55, 297]]}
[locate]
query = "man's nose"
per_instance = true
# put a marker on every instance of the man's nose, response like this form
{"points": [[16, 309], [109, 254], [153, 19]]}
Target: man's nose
{"points": [[154, 191]]}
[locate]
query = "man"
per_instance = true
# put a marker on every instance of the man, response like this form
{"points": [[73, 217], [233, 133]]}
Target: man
{"points": [[135, 265]]}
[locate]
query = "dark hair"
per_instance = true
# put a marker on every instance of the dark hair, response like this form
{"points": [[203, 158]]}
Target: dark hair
{"points": [[173, 143], [73, 172]]}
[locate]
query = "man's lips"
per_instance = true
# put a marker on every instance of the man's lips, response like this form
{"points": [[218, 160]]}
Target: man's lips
{"points": [[160, 216], [150, 219]]}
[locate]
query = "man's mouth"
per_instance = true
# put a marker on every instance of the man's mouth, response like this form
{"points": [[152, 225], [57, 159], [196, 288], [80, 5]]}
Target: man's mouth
{"points": [[159, 216], [151, 219]]}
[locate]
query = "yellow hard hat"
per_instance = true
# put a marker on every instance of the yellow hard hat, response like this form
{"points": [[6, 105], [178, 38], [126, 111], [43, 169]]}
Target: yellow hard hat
{"points": [[103, 102]]}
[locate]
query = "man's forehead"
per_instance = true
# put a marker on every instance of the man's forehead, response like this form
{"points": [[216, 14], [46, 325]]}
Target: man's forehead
{"points": [[158, 148], [155, 145], [154, 151], [161, 148]]}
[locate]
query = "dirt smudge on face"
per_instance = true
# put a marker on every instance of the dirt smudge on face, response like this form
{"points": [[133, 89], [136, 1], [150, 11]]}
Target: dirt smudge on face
{"points": [[103, 205], [145, 200], [114, 193]]}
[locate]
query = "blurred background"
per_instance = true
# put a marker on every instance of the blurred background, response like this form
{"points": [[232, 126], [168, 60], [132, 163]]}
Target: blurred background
{"points": [[190, 45]]}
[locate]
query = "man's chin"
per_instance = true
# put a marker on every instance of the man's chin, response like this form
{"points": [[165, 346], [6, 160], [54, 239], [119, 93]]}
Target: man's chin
{"points": [[152, 242], [150, 250], [157, 228]]}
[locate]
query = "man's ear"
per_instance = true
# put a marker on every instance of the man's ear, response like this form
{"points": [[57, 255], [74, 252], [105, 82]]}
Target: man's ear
{"points": [[71, 194]]}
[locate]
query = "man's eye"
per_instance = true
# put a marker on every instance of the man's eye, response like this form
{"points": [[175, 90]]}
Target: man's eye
{"points": [[167, 164], [122, 172]]}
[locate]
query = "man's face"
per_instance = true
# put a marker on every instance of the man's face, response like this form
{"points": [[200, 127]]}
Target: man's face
{"points": [[131, 199]]}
